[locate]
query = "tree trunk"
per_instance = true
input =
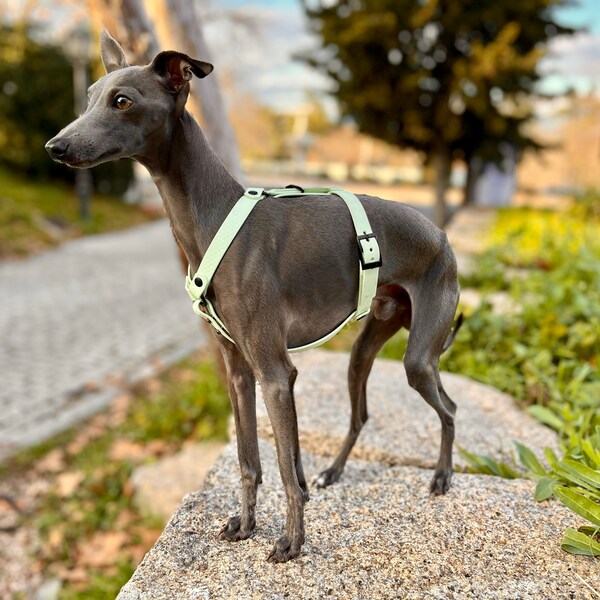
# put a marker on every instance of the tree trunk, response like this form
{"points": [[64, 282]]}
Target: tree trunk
{"points": [[177, 25], [474, 168], [135, 29], [184, 31], [129, 23], [441, 164]]}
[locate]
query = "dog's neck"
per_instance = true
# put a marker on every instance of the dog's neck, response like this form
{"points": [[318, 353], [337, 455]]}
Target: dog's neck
{"points": [[197, 190]]}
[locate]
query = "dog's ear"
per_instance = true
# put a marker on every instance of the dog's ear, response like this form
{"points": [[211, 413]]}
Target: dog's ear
{"points": [[112, 54], [175, 69]]}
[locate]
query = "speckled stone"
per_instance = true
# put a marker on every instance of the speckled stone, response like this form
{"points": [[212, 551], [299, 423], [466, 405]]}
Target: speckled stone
{"points": [[402, 428], [375, 534], [160, 486]]}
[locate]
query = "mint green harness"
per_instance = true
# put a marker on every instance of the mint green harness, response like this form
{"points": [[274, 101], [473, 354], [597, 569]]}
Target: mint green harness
{"points": [[368, 267]]}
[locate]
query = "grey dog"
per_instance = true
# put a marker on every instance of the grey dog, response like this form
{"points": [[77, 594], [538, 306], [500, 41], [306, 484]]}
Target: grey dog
{"points": [[289, 277]]}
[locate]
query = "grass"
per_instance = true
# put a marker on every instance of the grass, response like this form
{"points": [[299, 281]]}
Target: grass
{"points": [[35, 216], [93, 535]]}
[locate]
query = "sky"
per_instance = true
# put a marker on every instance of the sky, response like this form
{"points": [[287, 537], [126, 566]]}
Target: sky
{"points": [[258, 55], [262, 63]]}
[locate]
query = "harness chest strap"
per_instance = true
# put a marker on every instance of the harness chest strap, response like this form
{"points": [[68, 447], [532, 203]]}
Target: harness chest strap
{"points": [[369, 255]]}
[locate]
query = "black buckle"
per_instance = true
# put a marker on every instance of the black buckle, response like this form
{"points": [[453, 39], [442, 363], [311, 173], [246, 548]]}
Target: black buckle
{"points": [[367, 265], [292, 185]]}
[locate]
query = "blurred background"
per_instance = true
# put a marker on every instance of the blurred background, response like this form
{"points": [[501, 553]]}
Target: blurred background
{"points": [[430, 102], [483, 115]]}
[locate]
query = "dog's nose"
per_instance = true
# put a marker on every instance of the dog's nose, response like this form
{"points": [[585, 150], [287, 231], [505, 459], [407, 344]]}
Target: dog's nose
{"points": [[57, 147]]}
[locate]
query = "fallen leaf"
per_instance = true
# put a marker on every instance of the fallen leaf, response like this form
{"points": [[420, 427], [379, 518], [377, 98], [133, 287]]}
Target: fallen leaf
{"points": [[91, 387], [184, 375], [119, 409], [100, 420], [125, 519], [102, 549], [56, 537], [67, 483], [157, 447], [89, 433], [128, 489], [127, 450], [152, 385], [53, 462], [115, 380], [74, 575]]}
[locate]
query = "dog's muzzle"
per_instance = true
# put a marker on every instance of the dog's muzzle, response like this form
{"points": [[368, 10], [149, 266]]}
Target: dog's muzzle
{"points": [[57, 148]]}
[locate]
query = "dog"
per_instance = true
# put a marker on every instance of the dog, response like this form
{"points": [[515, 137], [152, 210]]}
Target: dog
{"points": [[289, 277]]}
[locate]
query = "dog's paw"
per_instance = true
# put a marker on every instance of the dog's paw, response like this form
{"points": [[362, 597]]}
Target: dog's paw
{"points": [[233, 531], [440, 483], [327, 477], [285, 549]]}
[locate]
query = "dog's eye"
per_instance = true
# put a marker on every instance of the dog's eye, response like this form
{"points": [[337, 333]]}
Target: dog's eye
{"points": [[123, 102]]}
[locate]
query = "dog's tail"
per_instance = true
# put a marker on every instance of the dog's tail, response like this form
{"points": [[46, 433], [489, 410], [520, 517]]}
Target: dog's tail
{"points": [[453, 333]]}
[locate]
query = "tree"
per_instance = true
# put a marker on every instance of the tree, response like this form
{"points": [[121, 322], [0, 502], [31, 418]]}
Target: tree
{"points": [[178, 24], [31, 75], [34, 74], [449, 79]]}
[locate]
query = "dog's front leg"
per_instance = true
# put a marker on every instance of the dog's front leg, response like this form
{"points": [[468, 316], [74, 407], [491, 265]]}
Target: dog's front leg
{"points": [[277, 377], [242, 392]]}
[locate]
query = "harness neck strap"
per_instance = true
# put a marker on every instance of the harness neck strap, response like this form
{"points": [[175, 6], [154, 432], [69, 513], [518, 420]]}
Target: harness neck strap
{"points": [[199, 284]]}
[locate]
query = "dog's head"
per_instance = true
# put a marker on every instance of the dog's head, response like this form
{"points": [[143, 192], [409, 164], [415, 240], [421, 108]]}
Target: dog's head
{"points": [[128, 108]]}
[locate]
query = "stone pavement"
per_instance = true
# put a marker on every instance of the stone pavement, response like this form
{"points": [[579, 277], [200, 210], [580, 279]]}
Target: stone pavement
{"points": [[76, 321]]}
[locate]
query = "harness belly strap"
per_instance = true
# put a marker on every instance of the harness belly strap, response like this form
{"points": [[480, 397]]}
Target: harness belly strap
{"points": [[368, 251]]}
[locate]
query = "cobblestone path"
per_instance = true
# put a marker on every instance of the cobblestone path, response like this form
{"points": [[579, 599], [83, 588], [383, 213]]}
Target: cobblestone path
{"points": [[77, 320]]}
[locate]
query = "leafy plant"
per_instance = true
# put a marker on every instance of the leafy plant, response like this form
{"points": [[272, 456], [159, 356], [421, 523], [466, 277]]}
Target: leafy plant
{"points": [[545, 354], [575, 481]]}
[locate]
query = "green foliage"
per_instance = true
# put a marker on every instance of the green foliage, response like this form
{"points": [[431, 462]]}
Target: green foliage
{"points": [[199, 410], [36, 102], [35, 216], [429, 74], [547, 354], [487, 465]]}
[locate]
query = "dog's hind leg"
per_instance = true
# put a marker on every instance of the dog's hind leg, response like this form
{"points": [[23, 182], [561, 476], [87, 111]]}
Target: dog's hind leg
{"points": [[390, 312], [434, 305], [242, 393]]}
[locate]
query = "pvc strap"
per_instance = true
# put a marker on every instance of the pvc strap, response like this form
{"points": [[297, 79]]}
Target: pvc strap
{"points": [[222, 240], [369, 253], [197, 285]]}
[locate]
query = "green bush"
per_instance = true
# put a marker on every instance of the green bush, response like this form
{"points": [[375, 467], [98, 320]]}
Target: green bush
{"points": [[36, 102], [546, 355]]}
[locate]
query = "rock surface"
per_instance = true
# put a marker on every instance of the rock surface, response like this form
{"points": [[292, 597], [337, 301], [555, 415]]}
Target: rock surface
{"points": [[402, 428], [159, 487], [376, 533]]}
